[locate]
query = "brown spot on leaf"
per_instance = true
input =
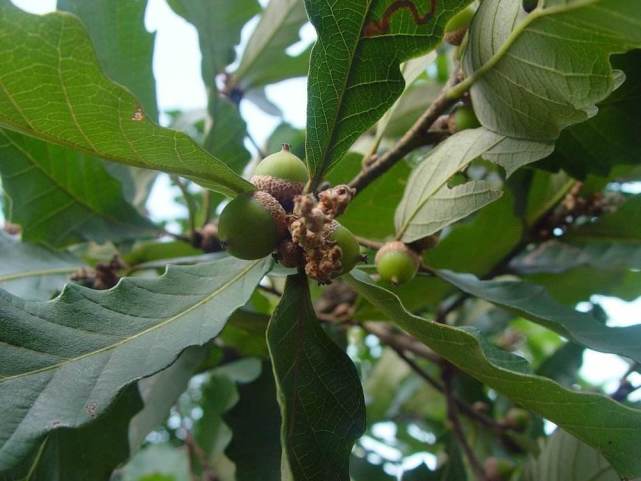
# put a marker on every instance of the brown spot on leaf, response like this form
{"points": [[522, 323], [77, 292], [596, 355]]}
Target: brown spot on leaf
{"points": [[382, 26], [138, 115], [91, 409]]}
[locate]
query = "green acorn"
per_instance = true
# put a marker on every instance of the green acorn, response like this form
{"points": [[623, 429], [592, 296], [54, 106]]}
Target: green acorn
{"points": [[350, 249], [396, 263], [282, 175], [463, 118], [251, 225], [457, 26]]}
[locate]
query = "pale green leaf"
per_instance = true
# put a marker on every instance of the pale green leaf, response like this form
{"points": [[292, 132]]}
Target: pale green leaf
{"points": [[354, 76], [264, 59], [158, 462], [319, 393], [535, 74], [428, 204], [33, 272], [610, 427], [565, 458], [52, 88], [62, 362], [60, 197]]}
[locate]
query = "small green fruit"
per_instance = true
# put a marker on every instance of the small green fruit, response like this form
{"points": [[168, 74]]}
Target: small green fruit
{"points": [[396, 263], [457, 26], [251, 225], [497, 469], [463, 118], [517, 419], [351, 251], [282, 175]]}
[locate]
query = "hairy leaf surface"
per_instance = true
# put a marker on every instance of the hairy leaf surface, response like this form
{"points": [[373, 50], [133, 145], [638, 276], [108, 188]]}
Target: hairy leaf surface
{"points": [[62, 362]]}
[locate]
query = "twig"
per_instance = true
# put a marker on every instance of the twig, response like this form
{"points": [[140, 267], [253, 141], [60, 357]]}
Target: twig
{"points": [[457, 429], [191, 208], [413, 138], [400, 342], [259, 150], [370, 244], [270, 290]]}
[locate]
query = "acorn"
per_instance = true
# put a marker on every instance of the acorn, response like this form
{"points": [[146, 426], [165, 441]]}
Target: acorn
{"points": [[251, 225], [517, 419], [396, 263], [457, 26], [463, 118], [498, 469], [350, 249], [282, 175]]}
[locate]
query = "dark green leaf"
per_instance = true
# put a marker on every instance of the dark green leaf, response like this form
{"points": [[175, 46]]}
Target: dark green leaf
{"points": [[225, 138], [255, 426], [597, 420], [60, 196], [564, 364], [613, 227], [53, 88], [319, 392], [119, 336], [354, 76], [32, 272], [533, 302]]}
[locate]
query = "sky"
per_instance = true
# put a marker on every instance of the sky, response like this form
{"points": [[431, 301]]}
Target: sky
{"points": [[179, 86]]}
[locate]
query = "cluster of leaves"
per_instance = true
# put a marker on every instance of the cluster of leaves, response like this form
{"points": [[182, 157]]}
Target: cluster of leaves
{"points": [[126, 354]]}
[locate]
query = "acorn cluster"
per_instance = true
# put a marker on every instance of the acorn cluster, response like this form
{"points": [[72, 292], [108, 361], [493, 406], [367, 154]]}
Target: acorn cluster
{"points": [[300, 230]]}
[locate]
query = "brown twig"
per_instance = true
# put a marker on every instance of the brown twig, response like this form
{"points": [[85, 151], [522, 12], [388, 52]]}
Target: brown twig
{"points": [[457, 428], [419, 134], [369, 243]]}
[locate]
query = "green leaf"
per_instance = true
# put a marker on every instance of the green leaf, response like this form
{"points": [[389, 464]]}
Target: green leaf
{"points": [[160, 392], [354, 76], [32, 272], [564, 364], [61, 197], [613, 227], [429, 204], [120, 335], [565, 458], [52, 88], [255, 425], [610, 427], [535, 74], [478, 245], [533, 302], [319, 392], [125, 49], [245, 332], [609, 138], [225, 138], [80, 454], [264, 60]]}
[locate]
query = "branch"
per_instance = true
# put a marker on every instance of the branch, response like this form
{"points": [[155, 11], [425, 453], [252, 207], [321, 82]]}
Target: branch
{"points": [[418, 135], [457, 429]]}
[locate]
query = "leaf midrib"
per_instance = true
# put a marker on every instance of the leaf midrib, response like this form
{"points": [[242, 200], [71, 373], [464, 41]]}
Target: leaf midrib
{"points": [[126, 340], [319, 169], [44, 272], [538, 13]]}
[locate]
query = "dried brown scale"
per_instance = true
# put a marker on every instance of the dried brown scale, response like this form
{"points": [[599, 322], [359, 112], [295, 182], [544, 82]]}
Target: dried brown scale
{"points": [[334, 201], [456, 37], [290, 254], [276, 210], [282, 190]]}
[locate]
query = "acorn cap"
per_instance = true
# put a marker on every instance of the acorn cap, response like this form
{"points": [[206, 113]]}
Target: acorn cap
{"points": [[282, 190], [275, 209]]}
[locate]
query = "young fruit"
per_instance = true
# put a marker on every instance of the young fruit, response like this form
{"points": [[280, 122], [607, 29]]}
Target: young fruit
{"points": [[282, 175], [350, 250], [517, 419], [251, 225], [463, 118], [497, 469], [396, 263], [457, 26]]}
